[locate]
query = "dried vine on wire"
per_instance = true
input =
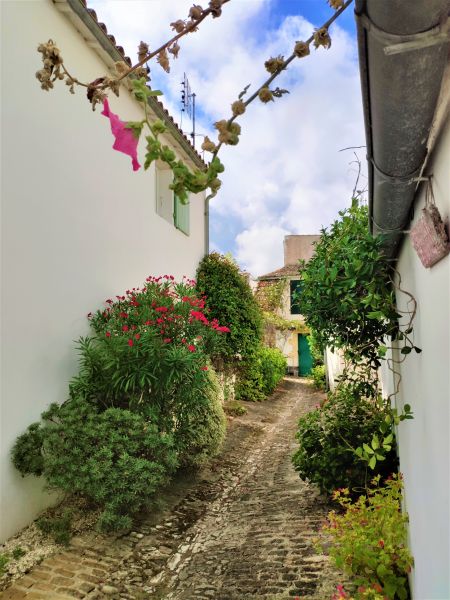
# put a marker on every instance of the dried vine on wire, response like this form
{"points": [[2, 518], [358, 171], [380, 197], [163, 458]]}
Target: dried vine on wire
{"points": [[127, 134]]}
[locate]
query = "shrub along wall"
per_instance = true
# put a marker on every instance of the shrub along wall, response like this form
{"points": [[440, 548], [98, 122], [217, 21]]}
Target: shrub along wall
{"points": [[230, 299], [146, 401]]}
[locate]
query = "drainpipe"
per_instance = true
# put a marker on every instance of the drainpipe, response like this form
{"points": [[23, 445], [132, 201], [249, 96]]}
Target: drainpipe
{"points": [[206, 225], [403, 50]]}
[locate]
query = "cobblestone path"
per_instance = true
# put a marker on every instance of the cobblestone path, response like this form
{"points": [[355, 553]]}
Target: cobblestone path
{"points": [[242, 529]]}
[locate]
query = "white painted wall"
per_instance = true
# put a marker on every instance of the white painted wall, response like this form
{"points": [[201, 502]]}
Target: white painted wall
{"points": [[78, 226], [425, 385]]}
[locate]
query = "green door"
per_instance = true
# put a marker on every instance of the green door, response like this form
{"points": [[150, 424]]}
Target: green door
{"points": [[305, 361]]}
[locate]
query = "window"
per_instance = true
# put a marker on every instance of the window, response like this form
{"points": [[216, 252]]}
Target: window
{"points": [[164, 195], [296, 290], [168, 206], [181, 215]]}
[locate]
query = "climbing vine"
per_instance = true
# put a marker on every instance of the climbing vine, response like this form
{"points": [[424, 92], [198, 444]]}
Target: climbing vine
{"points": [[127, 134]]}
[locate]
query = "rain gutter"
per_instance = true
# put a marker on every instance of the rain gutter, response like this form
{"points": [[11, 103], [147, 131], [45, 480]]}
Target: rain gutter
{"points": [[403, 50]]}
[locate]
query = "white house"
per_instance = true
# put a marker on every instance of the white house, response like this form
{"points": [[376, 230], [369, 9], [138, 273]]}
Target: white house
{"points": [[404, 49], [78, 225]]}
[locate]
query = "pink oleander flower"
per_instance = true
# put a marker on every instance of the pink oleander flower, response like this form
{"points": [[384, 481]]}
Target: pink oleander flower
{"points": [[126, 141]]}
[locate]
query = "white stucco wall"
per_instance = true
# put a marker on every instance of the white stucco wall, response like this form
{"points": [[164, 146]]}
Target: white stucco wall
{"points": [[78, 226], [425, 385]]}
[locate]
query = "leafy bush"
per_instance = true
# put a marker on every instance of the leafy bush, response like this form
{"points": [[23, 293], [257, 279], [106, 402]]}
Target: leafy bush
{"points": [[148, 346], [144, 401], [116, 458], [319, 378], [60, 529], [261, 374], [273, 368], [347, 294], [369, 540], [317, 349], [201, 428], [329, 435], [231, 301]]}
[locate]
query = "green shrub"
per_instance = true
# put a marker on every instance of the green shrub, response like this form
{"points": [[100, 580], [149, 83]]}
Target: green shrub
{"points": [[347, 295], [273, 368], [231, 301], [59, 528], [201, 428], [369, 543], [261, 374], [317, 349], [319, 378], [328, 436], [115, 458], [235, 408], [144, 401]]}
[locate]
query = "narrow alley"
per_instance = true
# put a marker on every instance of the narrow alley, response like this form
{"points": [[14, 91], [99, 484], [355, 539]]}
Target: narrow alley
{"points": [[243, 528]]}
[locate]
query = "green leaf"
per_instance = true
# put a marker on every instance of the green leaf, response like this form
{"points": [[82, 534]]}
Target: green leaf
{"points": [[375, 442], [136, 127], [368, 449], [372, 462], [388, 439], [406, 350]]}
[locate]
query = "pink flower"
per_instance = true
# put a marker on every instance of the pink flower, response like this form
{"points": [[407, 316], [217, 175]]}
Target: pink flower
{"points": [[137, 336], [126, 141], [125, 328], [167, 340], [203, 368], [130, 342], [161, 309], [223, 329], [191, 348], [108, 334]]}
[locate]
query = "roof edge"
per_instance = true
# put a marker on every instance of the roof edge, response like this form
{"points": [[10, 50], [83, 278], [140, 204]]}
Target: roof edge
{"points": [[116, 53]]}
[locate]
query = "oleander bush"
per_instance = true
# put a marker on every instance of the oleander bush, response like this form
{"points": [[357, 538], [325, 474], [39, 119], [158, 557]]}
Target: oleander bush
{"points": [[145, 401], [328, 436]]}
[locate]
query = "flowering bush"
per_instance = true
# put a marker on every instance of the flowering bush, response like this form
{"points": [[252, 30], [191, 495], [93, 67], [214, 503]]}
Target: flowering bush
{"points": [[150, 351], [369, 541], [145, 400]]}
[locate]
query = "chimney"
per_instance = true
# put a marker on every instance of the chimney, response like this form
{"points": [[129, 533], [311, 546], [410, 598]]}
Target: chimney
{"points": [[299, 247]]}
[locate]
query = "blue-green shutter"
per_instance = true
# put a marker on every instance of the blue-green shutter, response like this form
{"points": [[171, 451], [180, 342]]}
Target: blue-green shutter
{"points": [[181, 215]]}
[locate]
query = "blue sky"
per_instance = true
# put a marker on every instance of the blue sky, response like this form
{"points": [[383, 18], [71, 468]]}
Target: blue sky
{"points": [[287, 175]]}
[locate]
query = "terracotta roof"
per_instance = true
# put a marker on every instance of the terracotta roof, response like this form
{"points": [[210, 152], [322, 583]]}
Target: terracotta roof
{"points": [[286, 271], [128, 60]]}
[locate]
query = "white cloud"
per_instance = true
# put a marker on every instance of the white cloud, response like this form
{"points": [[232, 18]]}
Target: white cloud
{"points": [[286, 175]]}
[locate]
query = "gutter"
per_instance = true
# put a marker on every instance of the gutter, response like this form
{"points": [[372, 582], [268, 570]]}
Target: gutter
{"points": [[403, 50]]}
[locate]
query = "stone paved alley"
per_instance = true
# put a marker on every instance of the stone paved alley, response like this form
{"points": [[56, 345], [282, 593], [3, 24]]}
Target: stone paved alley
{"points": [[241, 529]]}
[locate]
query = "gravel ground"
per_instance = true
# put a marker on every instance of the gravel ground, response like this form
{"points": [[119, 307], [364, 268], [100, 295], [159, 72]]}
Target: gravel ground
{"points": [[241, 528]]}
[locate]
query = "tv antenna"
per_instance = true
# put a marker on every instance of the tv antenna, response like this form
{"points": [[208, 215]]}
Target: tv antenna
{"points": [[188, 103]]}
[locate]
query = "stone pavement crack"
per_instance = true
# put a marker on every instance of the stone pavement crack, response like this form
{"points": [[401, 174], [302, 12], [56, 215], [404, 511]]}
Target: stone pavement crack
{"points": [[243, 528]]}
